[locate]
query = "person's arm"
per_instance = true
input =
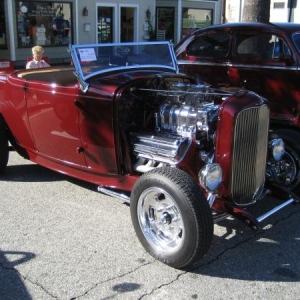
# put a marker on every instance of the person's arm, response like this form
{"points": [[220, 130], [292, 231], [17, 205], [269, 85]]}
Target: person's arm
{"points": [[29, 65], [45, 64]]}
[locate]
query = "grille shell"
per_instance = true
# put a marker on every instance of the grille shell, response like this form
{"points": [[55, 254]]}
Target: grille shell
{"points": [[249, 154]]}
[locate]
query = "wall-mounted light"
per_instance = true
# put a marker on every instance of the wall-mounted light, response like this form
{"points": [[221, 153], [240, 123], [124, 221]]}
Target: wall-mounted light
{"points": [[85, 12], [87, 26]]}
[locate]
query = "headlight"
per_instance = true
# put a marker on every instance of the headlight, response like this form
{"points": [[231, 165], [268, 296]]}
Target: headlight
{"points": [[210, 177], [277, 146]]}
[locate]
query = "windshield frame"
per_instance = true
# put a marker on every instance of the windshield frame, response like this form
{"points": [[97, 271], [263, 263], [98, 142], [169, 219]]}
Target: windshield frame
{"points": [[91, 60]]}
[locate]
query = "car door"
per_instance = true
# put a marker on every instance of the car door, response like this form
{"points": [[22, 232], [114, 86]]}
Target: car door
{"points": [[53, 118], [97, 130], [206, 57], [264, 63]]}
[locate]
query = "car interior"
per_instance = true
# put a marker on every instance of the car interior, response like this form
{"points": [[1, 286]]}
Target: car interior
{"points": [[61, 75]]}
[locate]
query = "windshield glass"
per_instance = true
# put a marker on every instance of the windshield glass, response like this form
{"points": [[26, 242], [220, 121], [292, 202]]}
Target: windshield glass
{"points": [[90, 60], [296, 39]]}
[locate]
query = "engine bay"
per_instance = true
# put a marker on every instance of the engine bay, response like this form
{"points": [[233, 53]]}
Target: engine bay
{"points": [[165, 114]]}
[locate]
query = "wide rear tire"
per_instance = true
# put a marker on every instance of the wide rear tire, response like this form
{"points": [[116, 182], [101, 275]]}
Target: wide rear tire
{"points": [[171, 217]]}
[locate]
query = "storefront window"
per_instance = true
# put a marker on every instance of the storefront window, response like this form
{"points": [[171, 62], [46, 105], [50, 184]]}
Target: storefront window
{"points": [[3, 34], [44, 23], [105, 24], [193, 19], [165, 23]]}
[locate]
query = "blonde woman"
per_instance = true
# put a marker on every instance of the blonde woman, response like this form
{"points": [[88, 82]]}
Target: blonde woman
{"points": [[37, 62]]}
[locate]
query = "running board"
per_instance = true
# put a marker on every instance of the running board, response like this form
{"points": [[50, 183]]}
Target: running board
{"points": [[114, 194], [275, 210], [253, 221]]}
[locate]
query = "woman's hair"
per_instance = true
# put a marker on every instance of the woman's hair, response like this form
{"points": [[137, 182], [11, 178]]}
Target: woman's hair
{"points": [[37, 50]]}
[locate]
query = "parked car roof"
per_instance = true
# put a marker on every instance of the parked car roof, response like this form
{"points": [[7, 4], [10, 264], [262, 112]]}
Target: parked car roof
{"points": [[287, 27], [283, 25]]}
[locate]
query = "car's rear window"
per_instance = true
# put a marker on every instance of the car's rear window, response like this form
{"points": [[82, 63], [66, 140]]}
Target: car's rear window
{"points": [[210, 45], [296, 39]]}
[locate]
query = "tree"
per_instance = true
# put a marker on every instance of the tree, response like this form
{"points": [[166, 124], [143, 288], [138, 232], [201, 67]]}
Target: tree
{"points": [[256, 10]]}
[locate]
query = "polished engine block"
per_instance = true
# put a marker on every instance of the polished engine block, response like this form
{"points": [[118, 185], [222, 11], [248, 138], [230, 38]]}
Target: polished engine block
{"points": [[187, 112]]}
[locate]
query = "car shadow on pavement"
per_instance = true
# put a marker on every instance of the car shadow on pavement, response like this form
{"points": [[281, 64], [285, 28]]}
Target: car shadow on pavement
{"points": [[30, 173], [11, 282], [269, 254], [36, 173]]}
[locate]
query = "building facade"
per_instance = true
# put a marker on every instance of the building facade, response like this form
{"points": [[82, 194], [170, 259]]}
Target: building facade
{"points": [[280, 11], [55, 25]]}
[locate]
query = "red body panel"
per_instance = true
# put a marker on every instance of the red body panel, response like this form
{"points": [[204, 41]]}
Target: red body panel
{"points": [[14, 109]]}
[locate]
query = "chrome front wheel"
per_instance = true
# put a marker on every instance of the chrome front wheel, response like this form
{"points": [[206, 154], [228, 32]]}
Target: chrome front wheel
{"points": [[171, 217]]}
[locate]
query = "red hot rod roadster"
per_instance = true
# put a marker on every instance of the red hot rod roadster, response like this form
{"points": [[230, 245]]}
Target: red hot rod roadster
{"points": [[122, 117]]}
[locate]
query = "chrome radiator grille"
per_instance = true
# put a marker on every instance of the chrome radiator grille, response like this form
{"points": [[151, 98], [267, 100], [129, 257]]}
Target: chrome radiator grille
{"points": [[250, 145]]}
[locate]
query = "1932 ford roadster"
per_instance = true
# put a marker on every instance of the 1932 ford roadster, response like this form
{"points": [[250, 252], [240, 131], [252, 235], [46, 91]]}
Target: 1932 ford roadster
{"points": [[122, 117]]}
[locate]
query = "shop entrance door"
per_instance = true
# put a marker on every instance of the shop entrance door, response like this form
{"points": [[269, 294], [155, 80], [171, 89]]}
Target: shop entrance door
{"points": [[127, 24], [105, 24]]}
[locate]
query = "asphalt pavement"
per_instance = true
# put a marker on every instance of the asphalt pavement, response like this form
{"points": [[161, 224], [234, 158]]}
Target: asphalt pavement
{"points": [[61, 239]]}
